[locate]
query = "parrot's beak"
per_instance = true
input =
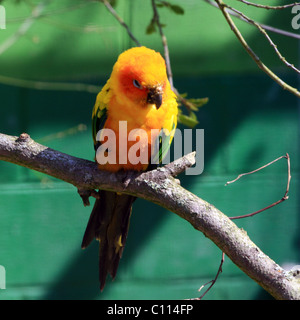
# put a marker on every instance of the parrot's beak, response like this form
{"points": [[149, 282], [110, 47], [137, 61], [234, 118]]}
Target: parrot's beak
{"points": [[155, 96]]}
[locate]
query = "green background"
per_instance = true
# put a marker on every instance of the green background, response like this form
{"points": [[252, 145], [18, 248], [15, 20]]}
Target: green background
{"points": [[248, 122]]}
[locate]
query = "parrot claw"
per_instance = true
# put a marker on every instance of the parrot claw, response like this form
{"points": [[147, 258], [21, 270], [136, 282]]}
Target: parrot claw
{"points": [[85, 194]]}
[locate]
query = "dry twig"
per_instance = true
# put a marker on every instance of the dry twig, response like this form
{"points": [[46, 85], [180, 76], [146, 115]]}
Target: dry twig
{"points": [[55, 86], [263, 31], [223, 7], [164, 42], [212, 282], [285, 197], [266, 27], [263, 6]]}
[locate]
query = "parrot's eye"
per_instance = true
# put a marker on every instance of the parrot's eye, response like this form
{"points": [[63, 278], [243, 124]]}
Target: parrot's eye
{"points": [[137, 84]]}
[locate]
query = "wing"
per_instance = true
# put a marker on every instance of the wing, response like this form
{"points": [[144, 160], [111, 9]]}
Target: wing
{"points": [[164, 140], [99, 115]]}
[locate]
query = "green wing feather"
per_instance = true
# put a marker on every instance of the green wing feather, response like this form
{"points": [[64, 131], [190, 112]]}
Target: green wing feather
{"points": [[99, 115], [163, 142], [98, 122]]}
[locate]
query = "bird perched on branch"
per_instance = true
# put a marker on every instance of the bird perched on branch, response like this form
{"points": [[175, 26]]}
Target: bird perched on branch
{"points": [[134, 107]]}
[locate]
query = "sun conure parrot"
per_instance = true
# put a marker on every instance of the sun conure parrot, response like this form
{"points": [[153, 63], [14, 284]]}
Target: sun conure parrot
{"points": [[138, 92]]}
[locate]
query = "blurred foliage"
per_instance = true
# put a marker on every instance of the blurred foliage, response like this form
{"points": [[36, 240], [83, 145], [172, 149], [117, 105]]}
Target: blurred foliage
{"points": [[192, 105]]}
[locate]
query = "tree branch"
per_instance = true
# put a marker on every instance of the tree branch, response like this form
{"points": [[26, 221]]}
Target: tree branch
{"points": [[263, 31], [285, 196], [160, 187], [269, 7], [44, 85], [266, 27], [164, 42], [224, 9]]}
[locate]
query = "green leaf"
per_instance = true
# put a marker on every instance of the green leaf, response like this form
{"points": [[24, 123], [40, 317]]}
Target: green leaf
{"points": [[177, 9], [161, 4], [193, 116], [198, 102], [174, 7], [113, 3], [151, 27], [192, 103], [184, 95], [189, 121]]}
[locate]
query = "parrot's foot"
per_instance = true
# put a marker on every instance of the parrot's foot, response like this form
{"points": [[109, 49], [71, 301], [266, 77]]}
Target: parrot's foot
{"points": [[85, 194]]}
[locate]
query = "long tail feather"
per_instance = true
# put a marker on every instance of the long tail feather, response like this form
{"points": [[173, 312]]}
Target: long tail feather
{"points": [[108, 223]]}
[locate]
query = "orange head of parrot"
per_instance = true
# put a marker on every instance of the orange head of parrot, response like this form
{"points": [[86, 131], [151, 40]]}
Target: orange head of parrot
{"points": [[140, 76]]}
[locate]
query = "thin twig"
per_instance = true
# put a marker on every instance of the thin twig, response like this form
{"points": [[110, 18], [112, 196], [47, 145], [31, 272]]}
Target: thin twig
{"points": [[265, 26], [184, 101], [285, 197], [212, 281], [121, 21], [164, 42], [42, 85], [267, 6], [261, 29], [279, 31], [258, 169], [189, 105], [62, 134], [252, 54]]}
